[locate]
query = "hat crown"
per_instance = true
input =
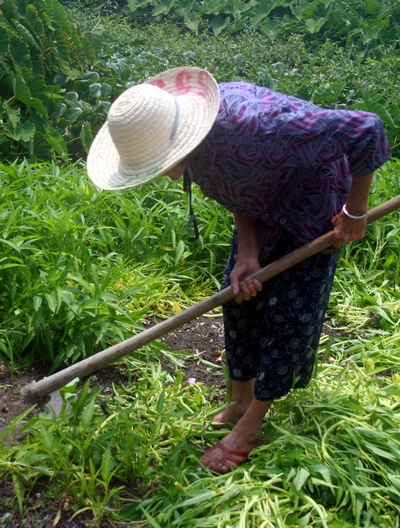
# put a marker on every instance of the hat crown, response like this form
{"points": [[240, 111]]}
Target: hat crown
{"points": [[137, 111], [152, 127]]}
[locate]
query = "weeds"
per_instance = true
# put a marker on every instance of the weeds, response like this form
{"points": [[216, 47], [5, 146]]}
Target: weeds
{"points": [[330, 456], [79, 268]]}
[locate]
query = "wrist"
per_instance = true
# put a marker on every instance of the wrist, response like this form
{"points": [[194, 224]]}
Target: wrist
{"points": [[353, 213]]}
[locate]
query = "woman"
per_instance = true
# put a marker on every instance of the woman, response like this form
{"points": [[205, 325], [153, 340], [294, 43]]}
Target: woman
{"points": [[289, 171]]}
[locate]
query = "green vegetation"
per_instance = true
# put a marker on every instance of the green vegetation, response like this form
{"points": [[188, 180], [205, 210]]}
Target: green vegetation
{"points": [[81, 269], [59, 75], [41, 53], [78, 266]]}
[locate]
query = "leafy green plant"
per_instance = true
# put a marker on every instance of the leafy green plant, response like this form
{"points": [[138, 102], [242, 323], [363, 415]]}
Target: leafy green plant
{"points": [[331, 454], [80, 267], [41, 51], [365, 23]]}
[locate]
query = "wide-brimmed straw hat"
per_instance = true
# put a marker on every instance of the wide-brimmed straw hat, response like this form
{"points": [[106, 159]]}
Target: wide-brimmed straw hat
{"points": [[153, 126]]}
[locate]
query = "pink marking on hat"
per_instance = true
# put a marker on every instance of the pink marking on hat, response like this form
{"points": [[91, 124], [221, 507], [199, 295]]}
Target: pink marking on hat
{"points": [[201, 80], [183, 82], [158, 82]]}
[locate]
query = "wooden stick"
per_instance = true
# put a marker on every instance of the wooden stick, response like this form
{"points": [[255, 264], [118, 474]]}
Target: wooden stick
{"points": [[35, 391]]}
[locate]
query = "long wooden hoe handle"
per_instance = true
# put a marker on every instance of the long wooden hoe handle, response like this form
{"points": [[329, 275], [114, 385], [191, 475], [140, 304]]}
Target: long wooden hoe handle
{"points": [[37, 390]]}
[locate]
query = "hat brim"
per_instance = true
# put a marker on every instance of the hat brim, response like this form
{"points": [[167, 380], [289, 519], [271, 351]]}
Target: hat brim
{"points": [[198, 107]]}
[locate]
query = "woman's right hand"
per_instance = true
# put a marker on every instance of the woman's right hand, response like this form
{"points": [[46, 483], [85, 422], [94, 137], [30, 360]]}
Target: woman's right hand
{"points": [[244, 288]]}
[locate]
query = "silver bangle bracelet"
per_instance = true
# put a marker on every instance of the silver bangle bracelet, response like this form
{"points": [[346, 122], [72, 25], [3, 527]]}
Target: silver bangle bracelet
{"points": [[353, 217]]}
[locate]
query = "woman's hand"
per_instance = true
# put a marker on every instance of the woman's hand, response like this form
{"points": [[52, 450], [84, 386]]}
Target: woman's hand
{"points": [[347, 230], [246, 288]]}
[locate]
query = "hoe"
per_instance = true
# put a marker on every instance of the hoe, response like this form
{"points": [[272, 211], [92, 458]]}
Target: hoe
{"points": [[49, 386]]}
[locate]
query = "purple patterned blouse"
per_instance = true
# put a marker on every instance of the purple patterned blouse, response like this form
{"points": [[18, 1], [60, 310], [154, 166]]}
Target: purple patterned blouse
{"points": [[284, 161]]}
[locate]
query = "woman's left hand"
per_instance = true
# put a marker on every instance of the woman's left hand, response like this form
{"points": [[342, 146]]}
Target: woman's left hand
{"points": [[347, 229]]}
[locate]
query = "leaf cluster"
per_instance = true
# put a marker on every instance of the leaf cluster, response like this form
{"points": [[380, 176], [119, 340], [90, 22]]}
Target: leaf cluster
{"points": [[41, 53], [78, 268], [365, 23]]}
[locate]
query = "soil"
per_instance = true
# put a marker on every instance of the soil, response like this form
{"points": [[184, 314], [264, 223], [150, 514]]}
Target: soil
{"points": [[202, 337]]}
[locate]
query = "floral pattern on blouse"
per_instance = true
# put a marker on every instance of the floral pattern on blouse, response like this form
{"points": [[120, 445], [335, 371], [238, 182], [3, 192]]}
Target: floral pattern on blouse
{"points": [[285, 161]]}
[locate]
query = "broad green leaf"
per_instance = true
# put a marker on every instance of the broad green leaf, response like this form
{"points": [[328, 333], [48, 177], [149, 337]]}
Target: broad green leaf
{"points": [[61, 110], [301, 478], [161, 7], [95, 89], [183, 7], [56, 141], [60, 47], [92, 76], [52, 301], [323, 470], [23, 94], [13, 114], [136, 4], [271, 28], [56, 11], [20, 56], [72, 114], [36, 24], [371, 7], [261, 10], [72, 96], [106, 90], [218, 24], [314, 25], [86, 136], [213, 7], [96, 37], [41, 149], [25, 34], [89, 50], [192, 20], [4, 40], [25, 131], [38, 88]]}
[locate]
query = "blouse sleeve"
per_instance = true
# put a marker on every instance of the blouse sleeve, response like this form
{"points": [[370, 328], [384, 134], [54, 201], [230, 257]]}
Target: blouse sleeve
{"points": [[308, 139]]}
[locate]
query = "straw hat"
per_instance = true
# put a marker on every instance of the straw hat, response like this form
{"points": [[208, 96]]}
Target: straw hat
{"points": [[153, 126]]}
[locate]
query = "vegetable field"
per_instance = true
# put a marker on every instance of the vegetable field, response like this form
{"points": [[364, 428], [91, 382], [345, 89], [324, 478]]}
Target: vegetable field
{"points": [[82, 269]]}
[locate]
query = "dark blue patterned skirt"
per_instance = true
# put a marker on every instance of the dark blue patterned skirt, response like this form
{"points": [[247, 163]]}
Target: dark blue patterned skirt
{"points": [[274, 337]]}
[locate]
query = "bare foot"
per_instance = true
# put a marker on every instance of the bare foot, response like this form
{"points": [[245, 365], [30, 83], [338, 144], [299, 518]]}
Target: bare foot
{"points": [[231, 415], [231, 452], [241, 399]]}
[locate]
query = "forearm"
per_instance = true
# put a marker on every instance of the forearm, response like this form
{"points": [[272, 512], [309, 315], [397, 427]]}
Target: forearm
{"points": [[357, 200], [247, 236], [247, 261], [346, 227]]}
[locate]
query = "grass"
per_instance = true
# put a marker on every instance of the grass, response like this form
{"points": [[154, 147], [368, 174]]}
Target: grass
{"points": [[80, 269], [332, 455], [331, 452]]}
